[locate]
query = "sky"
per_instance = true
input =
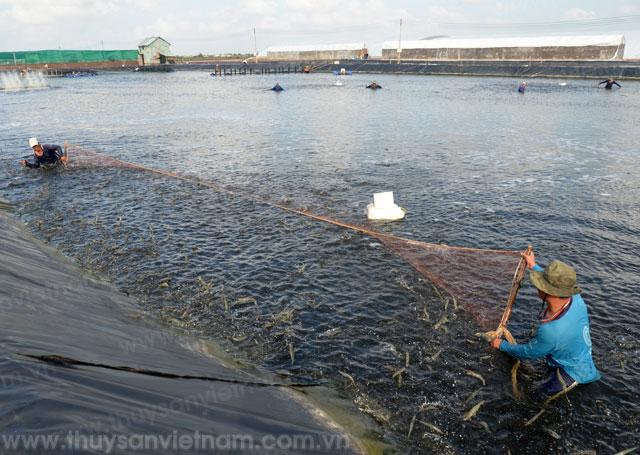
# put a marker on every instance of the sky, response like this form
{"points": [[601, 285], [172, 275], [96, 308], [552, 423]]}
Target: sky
{"points": [[217, 27]]}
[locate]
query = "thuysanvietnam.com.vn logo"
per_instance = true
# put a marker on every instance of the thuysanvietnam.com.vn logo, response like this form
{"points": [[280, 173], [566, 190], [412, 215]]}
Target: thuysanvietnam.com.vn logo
{"points": [[175, 441], [586, 336]]}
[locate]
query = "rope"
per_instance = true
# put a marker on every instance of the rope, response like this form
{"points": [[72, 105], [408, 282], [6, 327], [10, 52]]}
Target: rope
{"points": [[297, 211]]}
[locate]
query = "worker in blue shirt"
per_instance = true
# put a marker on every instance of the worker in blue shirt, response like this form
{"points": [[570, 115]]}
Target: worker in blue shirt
{"points": [[522, 87], [563, 335], [45, 155]]}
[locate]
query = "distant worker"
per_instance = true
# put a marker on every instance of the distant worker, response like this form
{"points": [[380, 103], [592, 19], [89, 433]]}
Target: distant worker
{"points": [[522, 87], [45, 155], [276, 88], [563, 335], [610, 82], [374, 86]]}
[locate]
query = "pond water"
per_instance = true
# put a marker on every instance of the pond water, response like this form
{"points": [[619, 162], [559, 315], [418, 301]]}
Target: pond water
{"points": [[475, 163]]}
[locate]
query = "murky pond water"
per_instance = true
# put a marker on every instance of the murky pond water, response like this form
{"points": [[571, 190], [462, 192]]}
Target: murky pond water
{"points": [[475, 163]]}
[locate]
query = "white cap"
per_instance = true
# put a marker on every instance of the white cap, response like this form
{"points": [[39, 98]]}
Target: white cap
{"points": [[33, 142]]}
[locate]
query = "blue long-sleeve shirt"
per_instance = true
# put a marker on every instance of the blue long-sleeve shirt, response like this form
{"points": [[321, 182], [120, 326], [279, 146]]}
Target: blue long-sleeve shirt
{"points": [[51, 154], [565, 342]]}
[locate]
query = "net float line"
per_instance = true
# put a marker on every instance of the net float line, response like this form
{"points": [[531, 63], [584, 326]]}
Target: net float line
{"points": [[390, 240], [298, 211]]}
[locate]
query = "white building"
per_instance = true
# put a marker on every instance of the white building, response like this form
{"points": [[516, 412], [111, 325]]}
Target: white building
{"points": [[318, 52], [595, 47]]}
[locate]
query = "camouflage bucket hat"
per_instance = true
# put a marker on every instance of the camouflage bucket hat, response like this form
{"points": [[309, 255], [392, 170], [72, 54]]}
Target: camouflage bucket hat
{"points": [[558, 280]]}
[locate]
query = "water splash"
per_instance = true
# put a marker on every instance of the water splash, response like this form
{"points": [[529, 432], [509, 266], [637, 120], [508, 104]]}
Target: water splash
{"points": [[13, 81]]}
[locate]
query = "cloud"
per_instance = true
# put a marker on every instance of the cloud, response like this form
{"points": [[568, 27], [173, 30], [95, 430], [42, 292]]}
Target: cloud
{"points": [[579, 14], [218, 27], [46, 24], [43, 12], [258, 7], [630, 9], [143, 4], [30, 12], [303, 21], [442, 14]]}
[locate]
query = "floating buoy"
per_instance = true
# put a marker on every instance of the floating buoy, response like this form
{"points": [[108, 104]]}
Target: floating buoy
{"points": [[384, 209]]}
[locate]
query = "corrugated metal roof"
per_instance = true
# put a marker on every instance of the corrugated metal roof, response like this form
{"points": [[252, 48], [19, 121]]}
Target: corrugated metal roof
{"points": [[317, 47], [533, 41], [151, 39]]}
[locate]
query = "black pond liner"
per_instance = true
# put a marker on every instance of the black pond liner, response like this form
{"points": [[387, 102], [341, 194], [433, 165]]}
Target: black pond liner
{"points": [[78, 360]]}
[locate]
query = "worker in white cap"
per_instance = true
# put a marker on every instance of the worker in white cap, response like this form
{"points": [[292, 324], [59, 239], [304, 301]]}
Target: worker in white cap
{"points": [[45, 155]]}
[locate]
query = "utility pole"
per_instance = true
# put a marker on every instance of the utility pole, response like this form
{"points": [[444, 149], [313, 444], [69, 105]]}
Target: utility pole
{"points": [[102, 43], [255, 45], [400, 41]]}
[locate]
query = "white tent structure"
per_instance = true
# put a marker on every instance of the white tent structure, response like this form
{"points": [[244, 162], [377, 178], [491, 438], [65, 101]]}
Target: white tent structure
{"points": [[594, 47], [317, 52]]}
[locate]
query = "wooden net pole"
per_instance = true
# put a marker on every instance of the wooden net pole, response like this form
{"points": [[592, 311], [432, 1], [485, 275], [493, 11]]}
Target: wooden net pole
{"points": [[515, 287], [502, 330]]}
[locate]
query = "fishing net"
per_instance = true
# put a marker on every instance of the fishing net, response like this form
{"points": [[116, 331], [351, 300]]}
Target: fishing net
{"points": [[480, 280], [80, 158], [485, 282]]}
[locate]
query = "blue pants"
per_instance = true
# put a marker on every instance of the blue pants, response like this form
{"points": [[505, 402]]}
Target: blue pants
{"points": [[553, 384]]}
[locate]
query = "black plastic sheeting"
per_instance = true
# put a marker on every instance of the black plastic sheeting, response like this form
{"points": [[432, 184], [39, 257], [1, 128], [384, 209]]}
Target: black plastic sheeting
{"points": [[507, 68], [64, 339]]}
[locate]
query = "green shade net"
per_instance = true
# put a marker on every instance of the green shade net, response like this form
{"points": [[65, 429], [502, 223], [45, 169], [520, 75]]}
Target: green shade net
{"points": [[66, 56]]}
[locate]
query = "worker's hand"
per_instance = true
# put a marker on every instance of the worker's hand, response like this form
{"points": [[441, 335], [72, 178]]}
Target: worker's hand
{"points": [[24, 163], [63, 160], [495, 343], [530, 258]]}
